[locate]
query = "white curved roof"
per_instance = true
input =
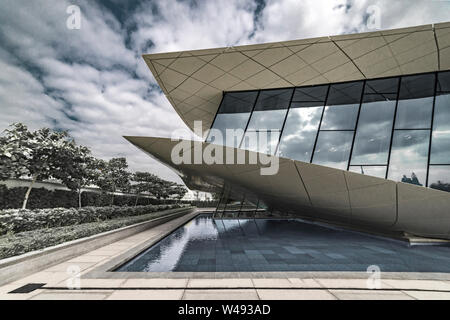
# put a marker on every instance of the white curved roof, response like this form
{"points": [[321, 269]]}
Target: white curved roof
{"points": [[193, 81]]}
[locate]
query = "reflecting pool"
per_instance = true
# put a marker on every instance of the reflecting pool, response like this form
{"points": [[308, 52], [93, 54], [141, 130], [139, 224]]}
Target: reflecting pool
{"points": [[205, 244]]}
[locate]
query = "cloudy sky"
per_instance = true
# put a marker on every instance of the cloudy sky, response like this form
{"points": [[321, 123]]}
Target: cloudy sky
{"points": [[94, 83]]}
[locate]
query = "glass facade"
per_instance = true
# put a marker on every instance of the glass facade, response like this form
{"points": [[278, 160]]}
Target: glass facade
{"points": [[396, 128]]}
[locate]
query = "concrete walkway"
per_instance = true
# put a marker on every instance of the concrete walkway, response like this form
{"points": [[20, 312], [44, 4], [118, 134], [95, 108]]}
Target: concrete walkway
{"points": [[58, 279]]}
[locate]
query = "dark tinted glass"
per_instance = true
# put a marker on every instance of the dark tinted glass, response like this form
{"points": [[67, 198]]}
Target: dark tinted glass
{"points": [[443, 85], [234, 113], [381, 90], [439, 178], [333, 149], [274, 99], [310, 94], [440, 144], [415, 102], [345, 93], [237, 102], [409, 156], [342, 106], [373, 134]]}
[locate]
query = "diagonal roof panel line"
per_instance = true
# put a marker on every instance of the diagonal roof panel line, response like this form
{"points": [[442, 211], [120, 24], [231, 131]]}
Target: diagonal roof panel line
{"points": [[348, 57], [265, 68], [437, 47]]}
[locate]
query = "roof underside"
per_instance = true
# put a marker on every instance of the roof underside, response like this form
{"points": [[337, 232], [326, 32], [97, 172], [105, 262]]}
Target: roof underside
{"points": [[317, 192], [194, 81]]}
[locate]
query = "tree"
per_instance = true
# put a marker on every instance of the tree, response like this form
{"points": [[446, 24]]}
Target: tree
{"points": [[114, 176], [144, 182], [41, 155], [82, 170], [179, 191]]}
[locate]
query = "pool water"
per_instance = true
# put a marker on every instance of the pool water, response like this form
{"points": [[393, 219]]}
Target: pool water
{"points": [[205, 244]]}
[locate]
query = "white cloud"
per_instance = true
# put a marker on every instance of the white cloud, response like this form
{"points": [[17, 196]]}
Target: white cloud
{"points": [[90, 82]]}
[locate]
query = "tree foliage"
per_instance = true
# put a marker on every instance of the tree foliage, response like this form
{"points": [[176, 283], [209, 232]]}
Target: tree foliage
{"points": [[47, 154]]}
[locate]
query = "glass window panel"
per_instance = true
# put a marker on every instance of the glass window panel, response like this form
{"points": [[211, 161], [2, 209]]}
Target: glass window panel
{"points": [[443, 85], [233, 113], [439, 178], [415, 102], [310, 94], [229, 121], [340, 117], [373, 134], [374, 171], [269, 120], [299, 133], [238, 102], [261, 141], [333, 149], [440, 144], [345, 93], [273, 99], [409, 156], [342, 106], [381, 90]]}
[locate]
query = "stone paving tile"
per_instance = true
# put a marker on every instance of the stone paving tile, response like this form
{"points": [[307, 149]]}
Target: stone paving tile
{"points": [[348, 283], [304, 283], [146, 295], [429, 295], [272, 283], [64, 267], [295, 294], [370, 295], [72, 295], [48, 277], [19, 296], [88, 258], [220, 283], [418, 284], [228, 294], [155, 283], [96, 283]]}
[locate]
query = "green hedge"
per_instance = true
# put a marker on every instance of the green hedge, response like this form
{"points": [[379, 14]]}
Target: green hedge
{"points": [[19, 243], [18, 220], [43, 198]]}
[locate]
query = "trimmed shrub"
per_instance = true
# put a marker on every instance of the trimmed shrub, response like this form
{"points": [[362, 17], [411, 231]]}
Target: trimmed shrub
{"points": [[43, 198], [18, 220], [19, 243]]}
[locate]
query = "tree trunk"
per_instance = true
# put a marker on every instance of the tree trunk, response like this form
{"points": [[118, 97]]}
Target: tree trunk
{"points": [[136, 202], [79, 198], [24, 205]]}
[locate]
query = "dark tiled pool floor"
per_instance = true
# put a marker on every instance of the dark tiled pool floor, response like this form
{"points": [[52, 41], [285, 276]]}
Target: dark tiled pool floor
{"points": [[208, 245]]}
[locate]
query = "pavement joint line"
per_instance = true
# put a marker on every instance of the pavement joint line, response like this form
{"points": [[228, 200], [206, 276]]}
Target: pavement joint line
{"points": [[230, 288]]}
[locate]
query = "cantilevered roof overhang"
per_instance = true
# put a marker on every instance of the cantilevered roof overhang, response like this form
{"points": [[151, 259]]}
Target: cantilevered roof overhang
{"points": [[194, 81], [321, 193]]}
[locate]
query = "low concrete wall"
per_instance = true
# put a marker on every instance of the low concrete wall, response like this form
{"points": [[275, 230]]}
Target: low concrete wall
{"points": [[18, 267]]}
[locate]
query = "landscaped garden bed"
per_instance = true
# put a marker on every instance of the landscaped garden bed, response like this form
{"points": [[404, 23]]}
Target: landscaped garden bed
{"points": [[28, 230]]}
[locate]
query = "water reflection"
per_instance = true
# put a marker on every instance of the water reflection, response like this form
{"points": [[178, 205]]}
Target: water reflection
{"points": [[215, 245], [409, 155]]}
